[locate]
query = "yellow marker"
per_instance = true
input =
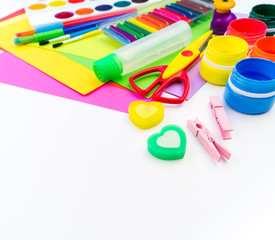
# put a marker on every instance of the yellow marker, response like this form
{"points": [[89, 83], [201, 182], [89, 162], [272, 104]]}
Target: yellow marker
{"points": [[146, 115], [142, 25], [188, 57]]}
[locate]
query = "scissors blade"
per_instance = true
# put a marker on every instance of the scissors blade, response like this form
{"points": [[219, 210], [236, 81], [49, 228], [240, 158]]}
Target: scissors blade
{"points": [[200, 42], [182, 61], [188, 57]]}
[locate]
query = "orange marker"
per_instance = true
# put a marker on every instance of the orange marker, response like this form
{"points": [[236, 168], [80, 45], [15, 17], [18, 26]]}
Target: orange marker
{"points": [[151, 24], [154, 20]]}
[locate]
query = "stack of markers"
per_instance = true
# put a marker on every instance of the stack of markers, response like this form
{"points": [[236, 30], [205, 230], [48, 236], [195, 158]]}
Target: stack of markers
{"points": [[135, 28]]}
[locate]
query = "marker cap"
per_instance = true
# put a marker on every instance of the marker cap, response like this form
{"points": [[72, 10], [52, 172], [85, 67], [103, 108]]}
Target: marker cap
{"points": [[24, 40], [108, 68]]}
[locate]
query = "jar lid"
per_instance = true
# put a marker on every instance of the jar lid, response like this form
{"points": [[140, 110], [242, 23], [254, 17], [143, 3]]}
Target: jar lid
{"points": [[264, 48], [248, 29], [264, 12], [226, 50]]}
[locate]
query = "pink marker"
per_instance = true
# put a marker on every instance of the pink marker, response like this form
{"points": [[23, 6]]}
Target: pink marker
{"points": [[167, 14], [181, 17]]}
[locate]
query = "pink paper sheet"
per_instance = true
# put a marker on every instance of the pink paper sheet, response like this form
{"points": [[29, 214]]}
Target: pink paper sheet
{"points": [[18, 73]]}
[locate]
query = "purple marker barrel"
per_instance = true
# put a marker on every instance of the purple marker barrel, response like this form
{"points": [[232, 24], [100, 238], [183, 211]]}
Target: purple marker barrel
{"points": [[123, 34]]}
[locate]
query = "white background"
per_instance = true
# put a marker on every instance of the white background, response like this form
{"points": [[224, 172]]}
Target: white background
{"points": [[70, 170]]}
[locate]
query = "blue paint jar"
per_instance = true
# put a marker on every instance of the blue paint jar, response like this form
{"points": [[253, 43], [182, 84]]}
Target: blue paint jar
{"points": [[251, 86]]}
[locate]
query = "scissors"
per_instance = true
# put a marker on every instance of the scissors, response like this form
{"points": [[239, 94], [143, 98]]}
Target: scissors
{"points": [[175, 71]]}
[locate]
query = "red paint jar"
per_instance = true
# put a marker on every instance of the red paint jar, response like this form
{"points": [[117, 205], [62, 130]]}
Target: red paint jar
{"points": [[248, 29]]}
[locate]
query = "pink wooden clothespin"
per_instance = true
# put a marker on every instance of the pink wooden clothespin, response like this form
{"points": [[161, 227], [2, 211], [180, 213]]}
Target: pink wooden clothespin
{"points": [[220, 116], [206, 138]]}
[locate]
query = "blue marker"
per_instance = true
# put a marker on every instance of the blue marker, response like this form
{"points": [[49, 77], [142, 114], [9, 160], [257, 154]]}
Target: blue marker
{"points": [[55, 33]]}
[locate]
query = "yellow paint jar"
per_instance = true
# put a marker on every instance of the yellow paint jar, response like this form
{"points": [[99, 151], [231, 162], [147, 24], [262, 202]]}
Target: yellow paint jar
{"points": [[220, 57]]}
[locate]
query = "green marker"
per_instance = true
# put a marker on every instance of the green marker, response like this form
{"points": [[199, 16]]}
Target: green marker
{"points": [[136, 28], [129, 31], [39, 37]]}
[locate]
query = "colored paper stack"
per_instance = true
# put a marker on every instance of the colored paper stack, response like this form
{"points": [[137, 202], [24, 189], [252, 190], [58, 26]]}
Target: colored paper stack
{"points": [[67, 71]]}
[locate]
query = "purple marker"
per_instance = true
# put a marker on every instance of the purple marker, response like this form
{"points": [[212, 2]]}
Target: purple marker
{"points": [[123, 34]]}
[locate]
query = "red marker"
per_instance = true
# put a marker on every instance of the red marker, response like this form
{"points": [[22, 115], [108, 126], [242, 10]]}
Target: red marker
{"points": [[74, 22]]}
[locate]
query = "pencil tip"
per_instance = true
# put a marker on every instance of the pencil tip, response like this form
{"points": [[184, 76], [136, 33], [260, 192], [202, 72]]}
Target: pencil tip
{"points": [[43, 42], [57, 45]]}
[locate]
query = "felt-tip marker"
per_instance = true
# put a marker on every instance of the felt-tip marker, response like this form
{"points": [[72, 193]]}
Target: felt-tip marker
{"points": [[106, 23], [44, 36], [74, 22]]}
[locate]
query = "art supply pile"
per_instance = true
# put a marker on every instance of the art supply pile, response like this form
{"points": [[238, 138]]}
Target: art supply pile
{"points": [[120, 53]]}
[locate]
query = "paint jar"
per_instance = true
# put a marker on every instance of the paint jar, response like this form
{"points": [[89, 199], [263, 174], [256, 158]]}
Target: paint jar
{"points": [[251, 86], [265, 13], [220, 57], [264, 48], [248, 29]]}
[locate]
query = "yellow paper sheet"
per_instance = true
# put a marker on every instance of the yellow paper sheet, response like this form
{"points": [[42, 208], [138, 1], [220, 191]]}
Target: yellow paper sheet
{"points": [[63, 69], [94, 47]]}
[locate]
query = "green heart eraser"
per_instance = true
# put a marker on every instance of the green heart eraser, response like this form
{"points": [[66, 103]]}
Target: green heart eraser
{"points": [[169, 144]]}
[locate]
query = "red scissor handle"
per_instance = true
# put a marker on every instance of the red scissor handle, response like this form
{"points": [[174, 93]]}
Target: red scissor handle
{"points": [[158, 81], [182, 76]]}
